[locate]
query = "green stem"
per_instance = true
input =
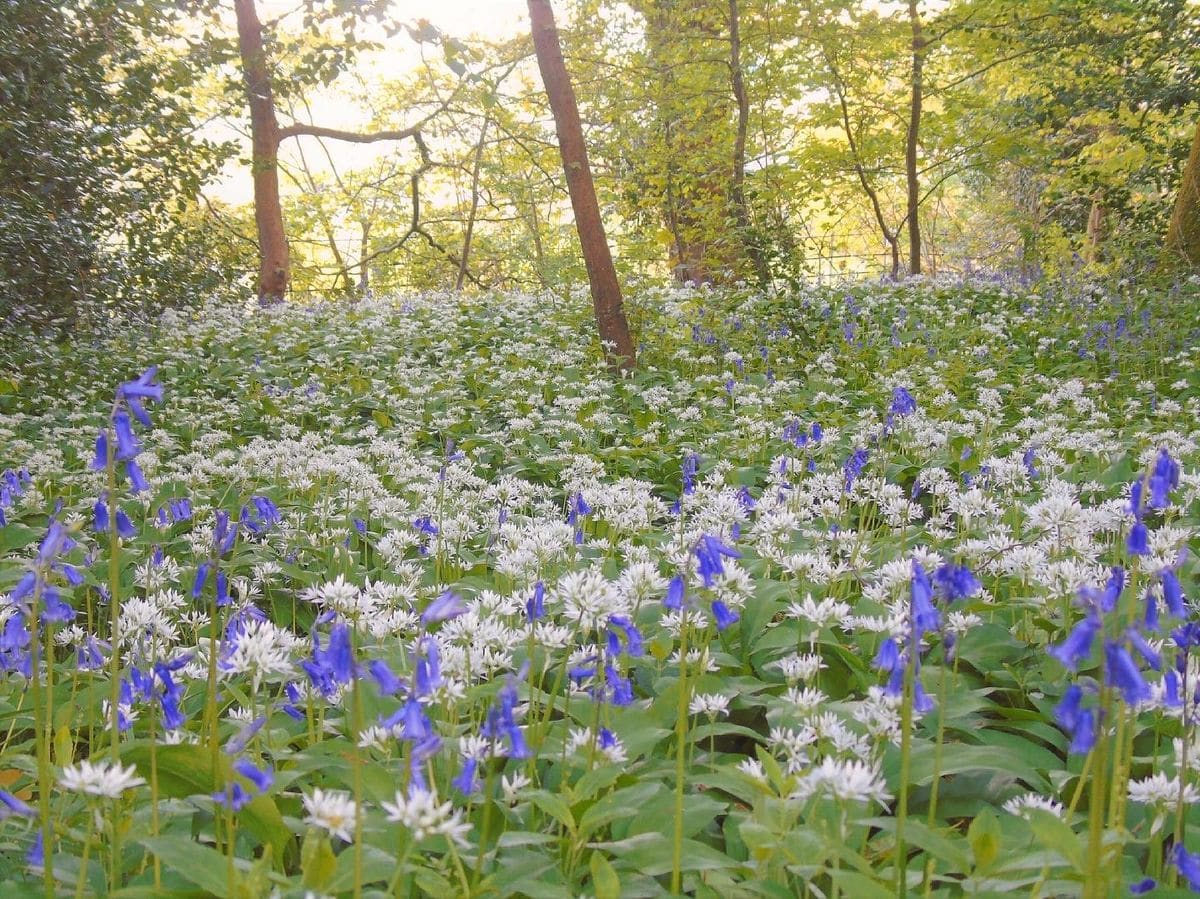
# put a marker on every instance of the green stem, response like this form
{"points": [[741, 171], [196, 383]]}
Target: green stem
{"points": [[906, 720], [681, 724]]}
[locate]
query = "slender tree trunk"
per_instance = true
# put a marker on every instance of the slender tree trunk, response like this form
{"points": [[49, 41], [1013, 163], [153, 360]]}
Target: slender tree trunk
{"points": [[597, 258], [914, 127], [470, 232], [741, 210], [364, 265], [274, 267], [1095, 227], [1183, 234]]}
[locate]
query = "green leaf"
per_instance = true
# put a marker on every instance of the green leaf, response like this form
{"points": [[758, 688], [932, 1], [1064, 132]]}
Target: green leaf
{"points": [[554, 806], [317, 861], [984, 837], [623, 803], [186, 770], [195, 862], [605, 881], [1054, 833]]}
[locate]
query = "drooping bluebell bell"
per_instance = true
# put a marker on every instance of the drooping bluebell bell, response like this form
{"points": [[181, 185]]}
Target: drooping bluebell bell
{"points": [[239, 741], [622, 626], [1078, 644], [1172, 592], [723, 615], [202, 572], [387, 682], [10, 805], [1188, 865], [1164, 477], [260, 515], [234, 797], [128, 446], [853, 466], [535, 606], [579, 509], [1121, 672], [1076, 720], [925, 616], [675, 594], [620, 686], [1143, 886], [467, 779], [691, 463], [447, 605], [427, 675], [261, 778], [1027, 460], [1137, 543], [709, 552], [903, 403]]}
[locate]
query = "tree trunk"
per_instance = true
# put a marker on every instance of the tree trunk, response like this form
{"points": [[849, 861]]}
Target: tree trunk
{"points": [[1183, 234], [470, 231], [741, 211], [364, 265], [602, 275], [274, 267], [1095, 228], [910, 155]]}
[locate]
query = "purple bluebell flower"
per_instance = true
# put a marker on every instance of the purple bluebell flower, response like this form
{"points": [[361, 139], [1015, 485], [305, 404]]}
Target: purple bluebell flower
{"points": [[1172, 593], [535, 606], [36, 856], [902, 403], [261, 778], [925, 616], [467, 780], [100, 459], [1078, 644], [1188, 865], [127, 443], [10, 805], [853, 467], [1143, 886], [448, 605], [234, 797], [1137, 543], [1122, 673], [385, 679], [125, 528], [1163, 478], [723, 615], [675, 593], [691, 463], [202, 573], [622, 625], [709, 550]]}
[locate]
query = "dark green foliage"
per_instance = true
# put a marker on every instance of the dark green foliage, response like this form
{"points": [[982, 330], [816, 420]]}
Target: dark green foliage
{"points": [[100, 162]]}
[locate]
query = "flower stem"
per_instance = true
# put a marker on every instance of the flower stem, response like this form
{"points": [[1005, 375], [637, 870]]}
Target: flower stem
{"points": [[681, 723]]}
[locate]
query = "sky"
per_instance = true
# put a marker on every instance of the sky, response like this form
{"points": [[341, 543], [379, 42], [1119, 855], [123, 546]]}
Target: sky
{"points": [[492, 19]]}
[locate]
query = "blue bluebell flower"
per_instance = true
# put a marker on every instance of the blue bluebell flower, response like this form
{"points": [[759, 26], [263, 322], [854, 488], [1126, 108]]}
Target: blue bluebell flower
{"points": [[1078, 644], [202, 573], [902, 403], [723, 615], [853, 467], [100, 459], [1172, 592], [925, 616], [535, 606], [387, 682], [1164, 477], [1143, 886], [127, 443], [622, 626], [10, 805], [448, 605], [1188, 865], [691, 464], [1137, 543], [467, 779], [261, 778], [675, 593], [1122, 673], [234, 797], [36, 856], [709, 552]]}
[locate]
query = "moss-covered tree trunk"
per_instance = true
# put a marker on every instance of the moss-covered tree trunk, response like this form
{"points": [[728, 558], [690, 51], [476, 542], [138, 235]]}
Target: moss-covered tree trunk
{"points": [[1183, 234]]}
